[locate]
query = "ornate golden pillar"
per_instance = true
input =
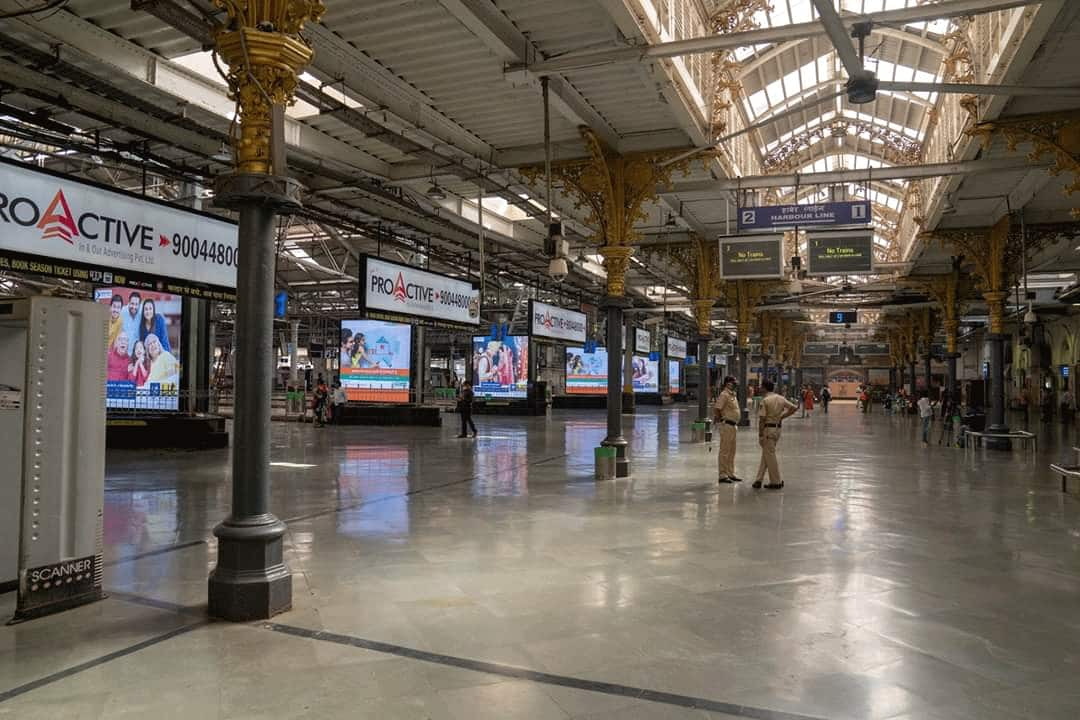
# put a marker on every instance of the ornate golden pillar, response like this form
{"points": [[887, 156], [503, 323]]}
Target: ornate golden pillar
{"points": [[261, 45], [614, 188]]}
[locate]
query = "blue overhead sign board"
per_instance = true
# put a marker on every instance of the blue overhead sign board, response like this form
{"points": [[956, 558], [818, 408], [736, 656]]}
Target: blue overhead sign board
{"points": [[776, 217]]}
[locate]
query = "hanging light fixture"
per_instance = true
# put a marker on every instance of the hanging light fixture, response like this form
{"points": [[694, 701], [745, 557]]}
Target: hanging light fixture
{"points": [[1030, 317], [435, 192]]}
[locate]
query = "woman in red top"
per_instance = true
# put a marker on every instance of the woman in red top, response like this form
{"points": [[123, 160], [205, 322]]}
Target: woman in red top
{"points": [[808, 401]]}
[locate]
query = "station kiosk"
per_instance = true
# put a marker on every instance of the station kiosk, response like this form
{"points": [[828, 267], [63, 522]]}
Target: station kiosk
{"points": [[52, 419]]}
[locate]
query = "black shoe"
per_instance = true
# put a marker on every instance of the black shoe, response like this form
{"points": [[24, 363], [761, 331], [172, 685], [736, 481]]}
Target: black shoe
{"points": [[736, 479], [724, 480], [474, 433], [463, 436], [756, 485], [774, 486]]}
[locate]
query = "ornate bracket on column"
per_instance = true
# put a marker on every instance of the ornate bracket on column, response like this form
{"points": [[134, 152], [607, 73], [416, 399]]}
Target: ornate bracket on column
{"points": [[613, 188], [263, 49], [1054, 134]]}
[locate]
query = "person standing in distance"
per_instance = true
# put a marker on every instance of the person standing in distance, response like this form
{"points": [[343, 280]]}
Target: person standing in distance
{"points": [[465, 403], [726, 415], [772, 413], [826, 396], [926, 414]]}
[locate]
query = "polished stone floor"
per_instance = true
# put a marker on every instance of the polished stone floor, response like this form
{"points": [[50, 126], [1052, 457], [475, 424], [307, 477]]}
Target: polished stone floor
{"points": [[459, 579]]}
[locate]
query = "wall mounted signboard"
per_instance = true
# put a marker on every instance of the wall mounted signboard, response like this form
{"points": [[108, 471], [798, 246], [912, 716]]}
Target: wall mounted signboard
{"points": [[54, 225], [752, 257], [840, 252], [390, 290]]}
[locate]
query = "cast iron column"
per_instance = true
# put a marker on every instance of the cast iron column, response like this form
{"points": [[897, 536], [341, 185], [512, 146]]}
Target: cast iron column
{"points": [[744, 366], [914, 384], [997, 391], [892, 379], [927, 372], [614, 306], [251, 581], [764, 367], [705, 392], [950, 376]]}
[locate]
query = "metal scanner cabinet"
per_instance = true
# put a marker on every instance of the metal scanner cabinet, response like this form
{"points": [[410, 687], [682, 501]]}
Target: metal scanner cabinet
{"points": [[52, 422]]}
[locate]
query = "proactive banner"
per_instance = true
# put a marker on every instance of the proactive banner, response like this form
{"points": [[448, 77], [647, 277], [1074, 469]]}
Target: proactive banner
{"points": [[551, 321], [404, 290], [55, 225]]}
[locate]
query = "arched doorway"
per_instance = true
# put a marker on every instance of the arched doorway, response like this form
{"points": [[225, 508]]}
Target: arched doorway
{"points": [[844, 383]]}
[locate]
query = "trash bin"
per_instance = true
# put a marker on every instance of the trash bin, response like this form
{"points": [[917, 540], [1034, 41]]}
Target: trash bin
{"points": [[605, 463]]}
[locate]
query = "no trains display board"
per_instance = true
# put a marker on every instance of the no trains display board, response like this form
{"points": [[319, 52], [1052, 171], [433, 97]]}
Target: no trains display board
{"points": [[840, 252], [749, 258]]}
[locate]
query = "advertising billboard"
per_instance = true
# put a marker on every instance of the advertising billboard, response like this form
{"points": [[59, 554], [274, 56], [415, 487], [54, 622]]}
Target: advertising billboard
{"points": [[501, 367], [676, 347], [143, 355], [646, 375], [673, 376], [586, 373], [402, 290], [58, 226], [375, 360], [551, 321]]}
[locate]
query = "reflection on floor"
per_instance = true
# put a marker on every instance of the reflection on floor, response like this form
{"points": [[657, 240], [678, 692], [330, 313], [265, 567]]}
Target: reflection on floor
{"points": [[492, 578]]}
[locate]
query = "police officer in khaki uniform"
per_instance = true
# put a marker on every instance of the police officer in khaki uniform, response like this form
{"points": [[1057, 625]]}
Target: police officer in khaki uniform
{"points": [[726, 416], [773, 411]]}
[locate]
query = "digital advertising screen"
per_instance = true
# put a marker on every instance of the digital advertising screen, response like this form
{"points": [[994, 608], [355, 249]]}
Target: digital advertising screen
{"points": [[673, 376], [501, 367], [375, 360], [586, 373], [646, 374], [143, 355]]}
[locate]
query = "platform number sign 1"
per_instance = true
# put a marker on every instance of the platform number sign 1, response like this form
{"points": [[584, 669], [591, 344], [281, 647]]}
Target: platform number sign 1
{"points": [[858, 211]]}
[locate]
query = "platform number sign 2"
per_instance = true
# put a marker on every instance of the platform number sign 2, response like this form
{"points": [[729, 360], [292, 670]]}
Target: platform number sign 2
{"points": [[749, 217]]}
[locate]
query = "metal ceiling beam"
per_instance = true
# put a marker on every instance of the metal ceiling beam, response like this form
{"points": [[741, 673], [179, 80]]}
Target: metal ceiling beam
{"points": [[83, 42], [499, 34], [910, 172], [110, 111], [765, 36]]}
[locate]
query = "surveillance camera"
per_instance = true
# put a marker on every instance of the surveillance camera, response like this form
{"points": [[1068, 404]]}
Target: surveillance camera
{"points": [[558, 269]]}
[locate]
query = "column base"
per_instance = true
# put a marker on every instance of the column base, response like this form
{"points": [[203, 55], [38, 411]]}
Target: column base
{"points": [[744, 421], [251, 580], [997, 443], [622, 456]]}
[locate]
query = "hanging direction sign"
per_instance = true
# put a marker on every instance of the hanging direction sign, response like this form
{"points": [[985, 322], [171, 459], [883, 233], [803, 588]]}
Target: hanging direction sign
{"points": [[871, 348], [776, 217], [840, 253], [749, 258], [821, 349]]}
